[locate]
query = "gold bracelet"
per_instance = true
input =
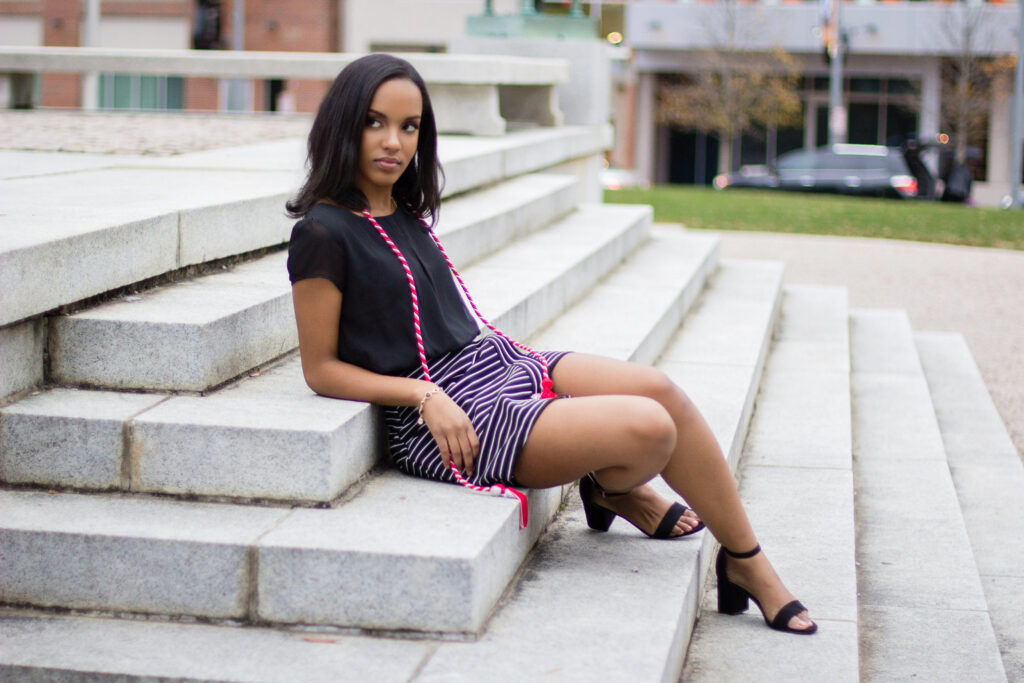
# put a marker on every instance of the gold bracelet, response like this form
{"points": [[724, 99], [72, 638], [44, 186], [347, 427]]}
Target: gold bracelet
{"points": [[423, 401]]}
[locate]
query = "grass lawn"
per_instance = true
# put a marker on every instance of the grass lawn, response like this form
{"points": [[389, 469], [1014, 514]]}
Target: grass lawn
{"points": [[821, 214]]}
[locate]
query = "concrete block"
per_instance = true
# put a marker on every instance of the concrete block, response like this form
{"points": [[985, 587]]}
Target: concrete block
{"points": [[814, 314], [64, 649], [56, 269], [972, 430], [589, 606], [881, 342], [907, 516], [1005, 596], [585, 98], [992, 503], [631, 313], [525, 286], [189, 335], [989, 481], [752, 650], [113, 227], [21, 356], [467, 108], [128, 554], [255, 442], [537, 149], [928, 643], [212, 232], [893, 417], [470, 162], [480, 223], [804, 519], [67, 437], [802, 420], [719, 333], [437, 561]]}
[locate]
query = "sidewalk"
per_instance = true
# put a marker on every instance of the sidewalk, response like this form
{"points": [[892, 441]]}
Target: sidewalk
{"points": [[977, 292]]}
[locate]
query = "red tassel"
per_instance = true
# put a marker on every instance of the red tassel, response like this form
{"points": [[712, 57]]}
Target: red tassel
{"points": [[546, 386]]}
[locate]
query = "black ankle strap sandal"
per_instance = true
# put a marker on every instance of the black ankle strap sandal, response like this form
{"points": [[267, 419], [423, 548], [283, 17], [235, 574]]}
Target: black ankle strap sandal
{"points": [[733, 599], [600, 518]]}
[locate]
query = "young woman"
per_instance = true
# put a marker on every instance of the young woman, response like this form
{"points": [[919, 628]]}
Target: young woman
{"points": [[380, 319]]}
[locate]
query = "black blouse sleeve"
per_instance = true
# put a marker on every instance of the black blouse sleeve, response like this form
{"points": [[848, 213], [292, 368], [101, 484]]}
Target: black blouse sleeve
{"points": [[313, 252]]}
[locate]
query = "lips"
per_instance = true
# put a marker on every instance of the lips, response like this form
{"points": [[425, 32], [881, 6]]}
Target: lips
{"points": [[387, 164]]}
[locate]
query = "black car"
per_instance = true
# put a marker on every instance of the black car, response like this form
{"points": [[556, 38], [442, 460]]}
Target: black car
{"points": [[846, 169]]}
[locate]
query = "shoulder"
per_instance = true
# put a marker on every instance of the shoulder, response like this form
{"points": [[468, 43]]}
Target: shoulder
{"points": [[326, 222]]}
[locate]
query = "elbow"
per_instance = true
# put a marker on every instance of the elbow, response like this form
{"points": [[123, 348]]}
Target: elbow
{"points": [[314, 376]]}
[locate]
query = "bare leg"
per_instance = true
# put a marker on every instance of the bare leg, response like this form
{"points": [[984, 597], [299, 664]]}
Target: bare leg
{"points": [[600, 431]]}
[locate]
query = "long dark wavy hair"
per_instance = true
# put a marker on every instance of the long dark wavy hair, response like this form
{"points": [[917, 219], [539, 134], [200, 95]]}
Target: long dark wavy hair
{"points": [[337, 133]]}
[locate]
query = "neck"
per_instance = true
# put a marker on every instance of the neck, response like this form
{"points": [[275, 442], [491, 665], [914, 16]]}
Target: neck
{"points": [[380, 203]]}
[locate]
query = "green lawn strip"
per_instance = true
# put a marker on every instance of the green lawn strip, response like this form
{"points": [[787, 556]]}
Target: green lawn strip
{"points": [[821, 214]]}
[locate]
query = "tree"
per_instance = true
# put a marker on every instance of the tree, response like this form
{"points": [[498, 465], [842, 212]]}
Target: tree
{"points": [[731, 92], [967, 77]]}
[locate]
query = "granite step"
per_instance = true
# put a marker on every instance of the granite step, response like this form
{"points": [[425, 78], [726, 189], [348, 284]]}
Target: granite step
{"points": [[989, 481], [269, 437], [618, 606], [796, 482], [168, 213], [63, 649], [437, 561], [534, 632], [922, 608], [197, 334]]}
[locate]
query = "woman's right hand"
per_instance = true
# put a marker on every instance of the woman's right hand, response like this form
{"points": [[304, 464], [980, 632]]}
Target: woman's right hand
{"points": [[453, 431]]}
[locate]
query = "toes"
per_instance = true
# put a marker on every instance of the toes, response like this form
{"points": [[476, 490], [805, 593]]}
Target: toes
{"points": [[800, 622]]}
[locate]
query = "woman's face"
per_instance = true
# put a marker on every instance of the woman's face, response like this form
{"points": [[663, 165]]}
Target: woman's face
{"points": [[390, 135]]}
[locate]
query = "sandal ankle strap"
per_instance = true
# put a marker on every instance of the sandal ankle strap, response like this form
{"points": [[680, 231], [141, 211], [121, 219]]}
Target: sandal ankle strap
{"points": [[743, 556], [600, 490]]}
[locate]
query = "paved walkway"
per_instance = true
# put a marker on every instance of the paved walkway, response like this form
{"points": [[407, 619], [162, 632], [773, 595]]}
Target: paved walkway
{"points": [[977, 292]]}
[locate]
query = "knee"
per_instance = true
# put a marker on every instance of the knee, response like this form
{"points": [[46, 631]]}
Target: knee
{"points": [[655, 384], [652, 428]]}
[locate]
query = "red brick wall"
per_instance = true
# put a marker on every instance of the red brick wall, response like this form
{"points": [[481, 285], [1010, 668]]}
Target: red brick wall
{"points": [[275, 25], [201, 94]]}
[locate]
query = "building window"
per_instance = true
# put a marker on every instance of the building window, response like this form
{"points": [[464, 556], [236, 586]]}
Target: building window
{"points": [[132, 91]]}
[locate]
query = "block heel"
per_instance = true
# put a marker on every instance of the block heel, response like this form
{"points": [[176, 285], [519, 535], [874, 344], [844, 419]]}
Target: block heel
{"points": [[733, 599], [599, 518]]}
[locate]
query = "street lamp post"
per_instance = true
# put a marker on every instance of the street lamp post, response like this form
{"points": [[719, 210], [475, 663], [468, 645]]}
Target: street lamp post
{"points": [[1016, 112]]}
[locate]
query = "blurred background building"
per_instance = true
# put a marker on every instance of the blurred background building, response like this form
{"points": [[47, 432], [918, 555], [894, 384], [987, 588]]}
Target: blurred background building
{"points": [[697, 87]]}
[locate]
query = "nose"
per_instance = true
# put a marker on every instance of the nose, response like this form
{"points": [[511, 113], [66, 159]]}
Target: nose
{"points": [[391, 140]]}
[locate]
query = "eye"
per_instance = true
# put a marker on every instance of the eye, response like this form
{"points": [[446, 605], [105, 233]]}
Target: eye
{"points": [[411, 127], [372, 122]]}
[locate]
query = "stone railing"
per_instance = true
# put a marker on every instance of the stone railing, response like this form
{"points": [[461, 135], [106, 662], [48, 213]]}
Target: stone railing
{"points": [[475, 94]]}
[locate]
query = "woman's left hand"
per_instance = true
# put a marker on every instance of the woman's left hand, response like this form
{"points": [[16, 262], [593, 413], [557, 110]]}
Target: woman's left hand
{"points": [[453, 431]]}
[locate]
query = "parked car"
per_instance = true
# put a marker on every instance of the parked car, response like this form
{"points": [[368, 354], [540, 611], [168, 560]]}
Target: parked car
{"points": [[846, 169]]}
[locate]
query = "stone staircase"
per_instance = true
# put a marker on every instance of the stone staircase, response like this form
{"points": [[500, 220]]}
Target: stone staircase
{"points": [[176, 504]]}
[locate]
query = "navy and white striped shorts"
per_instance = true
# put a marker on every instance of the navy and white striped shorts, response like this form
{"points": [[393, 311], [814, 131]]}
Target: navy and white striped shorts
{"points": [[496, 384]]}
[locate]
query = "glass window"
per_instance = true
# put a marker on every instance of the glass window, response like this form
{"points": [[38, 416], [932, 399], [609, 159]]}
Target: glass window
{"points": [[900, 124], [753, 149], [149, 97], [175, 92], [122, 92], [865, 85], [821, 126], [126, 91], [900, 86], [863, 123]]}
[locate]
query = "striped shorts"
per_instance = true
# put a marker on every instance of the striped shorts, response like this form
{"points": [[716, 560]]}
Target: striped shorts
{"points": [[495, 383]]}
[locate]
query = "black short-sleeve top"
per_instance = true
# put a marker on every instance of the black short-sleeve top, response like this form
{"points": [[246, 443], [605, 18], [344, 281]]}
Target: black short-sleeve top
{"points": [[376, 327]]}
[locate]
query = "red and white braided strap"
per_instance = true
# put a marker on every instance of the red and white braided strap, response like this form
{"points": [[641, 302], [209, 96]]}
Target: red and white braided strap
{"points": [[546, 383]]}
